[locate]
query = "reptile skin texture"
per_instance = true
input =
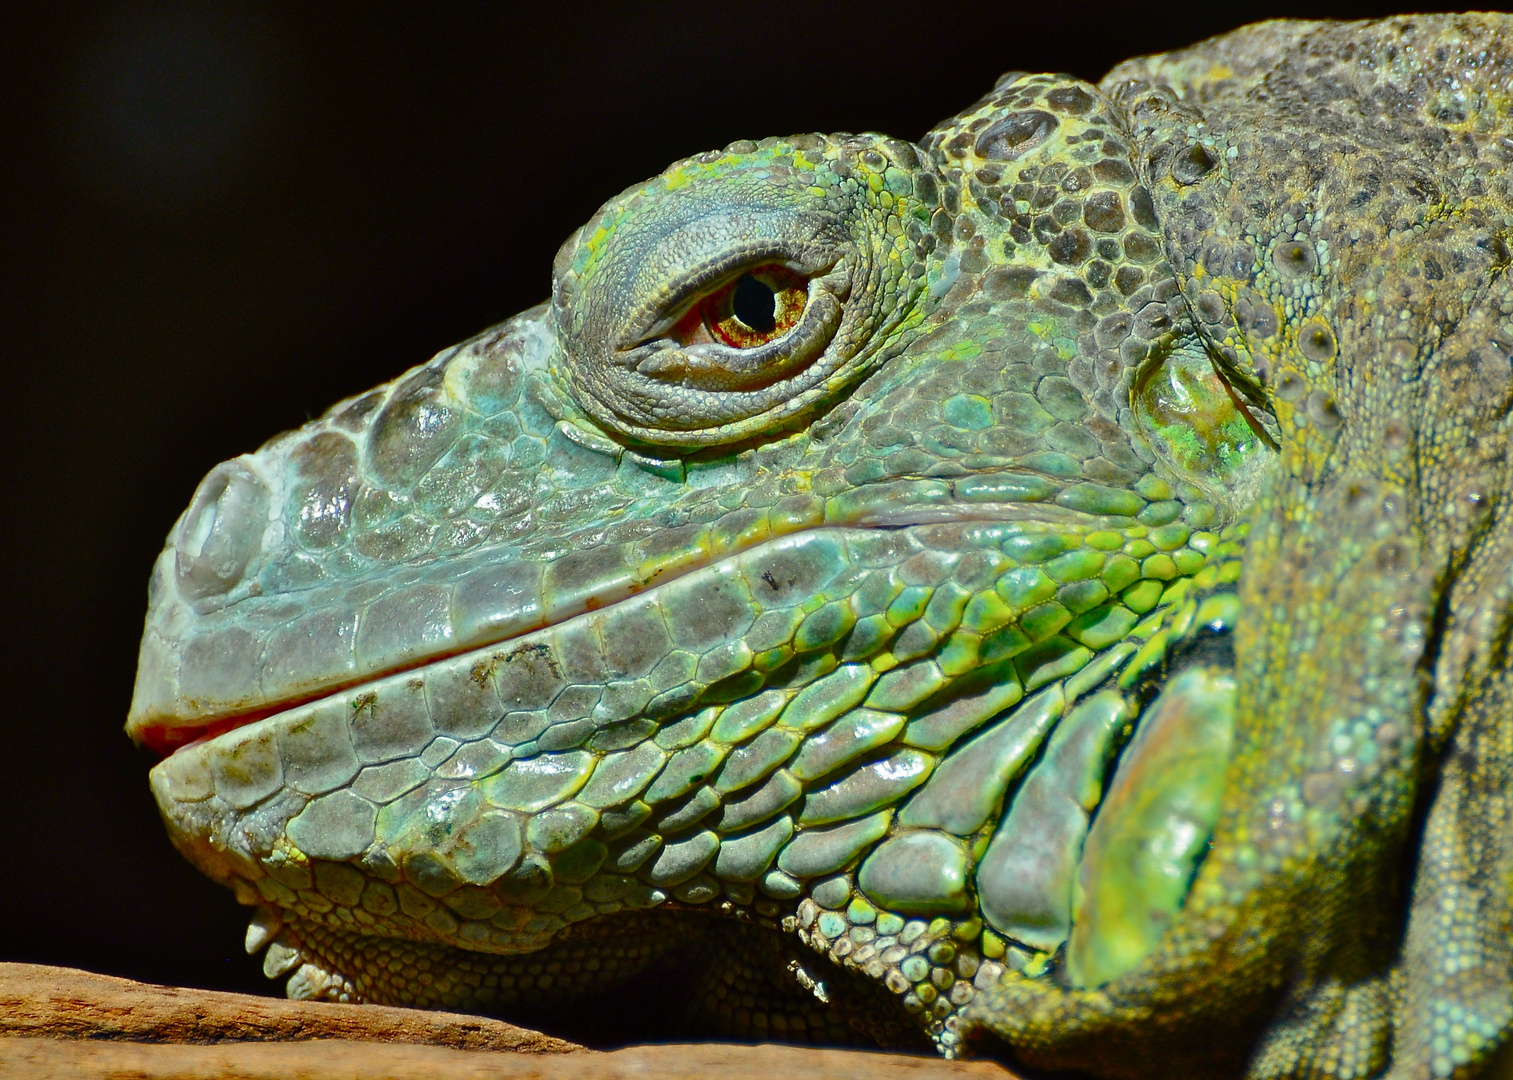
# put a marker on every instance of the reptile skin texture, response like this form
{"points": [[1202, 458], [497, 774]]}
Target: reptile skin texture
{"points": [[1045, 589]]}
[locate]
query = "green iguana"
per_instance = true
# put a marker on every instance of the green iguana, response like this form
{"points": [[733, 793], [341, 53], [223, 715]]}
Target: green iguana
{"points": [[1051, 581]]}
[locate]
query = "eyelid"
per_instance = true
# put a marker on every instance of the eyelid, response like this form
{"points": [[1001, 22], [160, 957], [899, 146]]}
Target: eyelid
{"points": [[717, 367], [654, 318]]}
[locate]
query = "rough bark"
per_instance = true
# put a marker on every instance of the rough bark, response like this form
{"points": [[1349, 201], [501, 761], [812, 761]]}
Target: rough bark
{"points": [[60, 1022]]}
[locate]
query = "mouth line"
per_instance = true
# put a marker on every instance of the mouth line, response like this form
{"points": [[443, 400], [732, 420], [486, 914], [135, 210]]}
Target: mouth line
{"points": [[166, 738]]}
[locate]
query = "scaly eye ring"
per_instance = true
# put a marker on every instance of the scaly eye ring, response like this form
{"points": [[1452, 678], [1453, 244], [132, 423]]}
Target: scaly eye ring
{"points": [[760, 306], [729, 298]]}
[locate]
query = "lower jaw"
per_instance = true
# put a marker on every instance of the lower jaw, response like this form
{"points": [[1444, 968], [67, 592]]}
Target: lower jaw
{"points": [[310, 808]]}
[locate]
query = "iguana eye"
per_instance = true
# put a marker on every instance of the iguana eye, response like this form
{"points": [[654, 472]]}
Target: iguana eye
{"points": [[760, 306], [736, 295]]}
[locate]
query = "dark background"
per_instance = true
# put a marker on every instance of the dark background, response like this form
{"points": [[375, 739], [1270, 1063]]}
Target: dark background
{"points": [[217, 219]]}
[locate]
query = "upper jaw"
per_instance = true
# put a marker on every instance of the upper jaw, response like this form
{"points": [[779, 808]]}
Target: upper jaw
{"points": [[202, 671]]}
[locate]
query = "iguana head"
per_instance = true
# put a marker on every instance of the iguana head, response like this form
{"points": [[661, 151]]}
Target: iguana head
{"points": [[853, 545]]}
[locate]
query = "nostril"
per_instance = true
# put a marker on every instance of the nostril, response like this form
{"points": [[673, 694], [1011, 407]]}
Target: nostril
{"points": [[222, 531]]}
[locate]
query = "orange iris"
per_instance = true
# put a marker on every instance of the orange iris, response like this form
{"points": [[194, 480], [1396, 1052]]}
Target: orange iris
{"points": [[760, 306]]}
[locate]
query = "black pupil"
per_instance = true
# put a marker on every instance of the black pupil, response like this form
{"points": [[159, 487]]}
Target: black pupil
{"points": [[755, 304]]}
